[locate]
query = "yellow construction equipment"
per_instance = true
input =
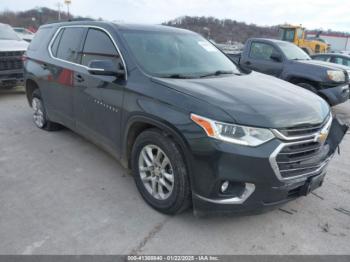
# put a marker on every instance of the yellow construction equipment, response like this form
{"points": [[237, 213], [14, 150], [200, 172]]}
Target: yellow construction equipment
{"points": [[296, 35]]}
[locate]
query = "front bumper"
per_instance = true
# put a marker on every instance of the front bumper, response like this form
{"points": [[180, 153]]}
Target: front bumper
{"points": [[336, 95], [11, 77], [256, 185]]}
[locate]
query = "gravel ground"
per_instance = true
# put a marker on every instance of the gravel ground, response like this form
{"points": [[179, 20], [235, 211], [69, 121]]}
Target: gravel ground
{"points": [[60, 194]]}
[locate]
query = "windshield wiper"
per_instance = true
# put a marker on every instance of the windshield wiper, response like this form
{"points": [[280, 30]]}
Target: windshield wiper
{"points": [[217, 73], [177, 76], [300, 59]]}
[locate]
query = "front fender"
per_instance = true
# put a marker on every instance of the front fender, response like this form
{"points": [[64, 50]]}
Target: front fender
{"points": [[303, 71], [336, 95], [170, 129]]}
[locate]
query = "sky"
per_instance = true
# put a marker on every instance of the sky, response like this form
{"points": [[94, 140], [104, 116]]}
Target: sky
{"points": [[324, 14]]}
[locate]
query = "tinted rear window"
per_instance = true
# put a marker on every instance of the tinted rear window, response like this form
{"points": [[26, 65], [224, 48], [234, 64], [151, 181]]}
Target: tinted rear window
{"points": [[70, 44]]}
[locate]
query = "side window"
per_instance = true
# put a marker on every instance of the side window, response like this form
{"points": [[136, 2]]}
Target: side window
{"points": [[70, 44], [341, 61], [98, 46], [322, 58], [54, 46], [300, 33], [347, 61], [261, 51]]}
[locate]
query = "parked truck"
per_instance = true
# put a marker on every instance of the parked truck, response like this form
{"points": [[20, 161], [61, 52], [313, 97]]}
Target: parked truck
{"points": [[289, 62], [12, 48]]}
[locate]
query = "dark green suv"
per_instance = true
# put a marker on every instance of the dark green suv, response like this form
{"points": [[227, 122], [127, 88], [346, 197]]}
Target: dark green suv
{"points": [[193, 127]]}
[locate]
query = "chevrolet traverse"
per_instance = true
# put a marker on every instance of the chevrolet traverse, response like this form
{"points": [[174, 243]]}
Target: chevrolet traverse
{"points": [[194, 128]]}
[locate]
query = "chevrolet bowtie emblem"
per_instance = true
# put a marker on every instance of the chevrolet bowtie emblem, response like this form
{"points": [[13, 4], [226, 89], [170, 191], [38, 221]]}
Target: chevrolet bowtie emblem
{"points": [[321, 137]]}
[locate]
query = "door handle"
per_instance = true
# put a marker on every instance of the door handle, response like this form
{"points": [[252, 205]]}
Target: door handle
{"points": [[79, 78]]}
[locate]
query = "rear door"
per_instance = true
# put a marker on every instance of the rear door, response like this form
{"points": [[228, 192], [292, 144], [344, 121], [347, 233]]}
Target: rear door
{"points": [[324, 58], [98, 99], [259, 59], [65, 51], [340, 60]]}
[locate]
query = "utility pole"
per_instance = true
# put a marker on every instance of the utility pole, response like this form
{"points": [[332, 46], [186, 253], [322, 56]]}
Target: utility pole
{"points": [[68, 2], [59, 5], [40, 11]]}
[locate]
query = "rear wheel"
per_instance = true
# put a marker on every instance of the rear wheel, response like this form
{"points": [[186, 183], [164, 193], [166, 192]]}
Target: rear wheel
{"points": [[160, 172], [39, 114]]}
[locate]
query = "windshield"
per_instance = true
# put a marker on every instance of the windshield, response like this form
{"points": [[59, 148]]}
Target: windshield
{"points": [[7, 33], [287, 34], [292, 52], [177, 55]]}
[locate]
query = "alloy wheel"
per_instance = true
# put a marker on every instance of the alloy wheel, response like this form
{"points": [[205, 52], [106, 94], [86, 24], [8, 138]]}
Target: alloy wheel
{"points": [[38, 115], [156, 172]]}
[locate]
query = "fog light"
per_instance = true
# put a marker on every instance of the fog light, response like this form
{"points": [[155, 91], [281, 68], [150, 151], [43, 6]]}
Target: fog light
{"points": [[224, 186]]}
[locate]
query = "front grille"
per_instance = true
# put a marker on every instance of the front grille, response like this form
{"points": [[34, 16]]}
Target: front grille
{"points": [[301, 158], [303, 130], [304, 152], [11, 60]]}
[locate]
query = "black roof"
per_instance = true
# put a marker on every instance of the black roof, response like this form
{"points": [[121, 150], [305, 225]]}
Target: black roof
{"points": [[122, 26], [267, 40]]}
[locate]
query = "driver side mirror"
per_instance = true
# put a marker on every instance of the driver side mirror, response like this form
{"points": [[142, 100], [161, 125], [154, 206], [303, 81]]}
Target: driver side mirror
{"points": [[106, 68], [277, 57]]}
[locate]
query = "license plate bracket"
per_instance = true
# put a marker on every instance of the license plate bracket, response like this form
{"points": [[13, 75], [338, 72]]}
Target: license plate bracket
{"points": [[311, 184]]}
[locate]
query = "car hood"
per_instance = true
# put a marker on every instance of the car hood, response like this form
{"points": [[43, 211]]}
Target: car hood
{"points": [[25, 36], [255, 99], [13, 45], [322, 64]]}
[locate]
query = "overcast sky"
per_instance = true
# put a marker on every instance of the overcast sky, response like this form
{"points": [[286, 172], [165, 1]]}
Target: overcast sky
{"points": [[325, 14]]}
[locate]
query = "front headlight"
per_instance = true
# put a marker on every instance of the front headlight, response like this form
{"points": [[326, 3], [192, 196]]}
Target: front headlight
{"points": [[336, 75], [237, 134]]}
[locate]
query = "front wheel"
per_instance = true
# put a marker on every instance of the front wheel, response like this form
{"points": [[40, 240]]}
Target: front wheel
{"points": [[160, 172]]}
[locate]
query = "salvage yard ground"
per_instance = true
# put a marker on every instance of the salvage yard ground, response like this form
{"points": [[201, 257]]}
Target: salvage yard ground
{"points": [[60, 194]]}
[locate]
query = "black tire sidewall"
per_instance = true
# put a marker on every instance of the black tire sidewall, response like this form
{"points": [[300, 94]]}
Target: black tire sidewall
{"points": [[170, 204]]}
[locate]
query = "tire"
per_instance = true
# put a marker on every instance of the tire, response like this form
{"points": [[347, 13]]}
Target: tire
{"points": [[150, 174], [308, 87], [39, 115]]}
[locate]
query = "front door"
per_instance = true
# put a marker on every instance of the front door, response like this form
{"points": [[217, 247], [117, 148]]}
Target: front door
{"points": [[259, 59], [98, 99]]}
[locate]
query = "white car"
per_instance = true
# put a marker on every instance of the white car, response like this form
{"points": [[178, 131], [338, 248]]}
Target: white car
{"points": [[345, 52], [24, 33], [12, 48]]}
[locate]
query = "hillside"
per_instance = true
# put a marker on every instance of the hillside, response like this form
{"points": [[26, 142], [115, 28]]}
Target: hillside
{"points": [[223, 31], [34, 17]]}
